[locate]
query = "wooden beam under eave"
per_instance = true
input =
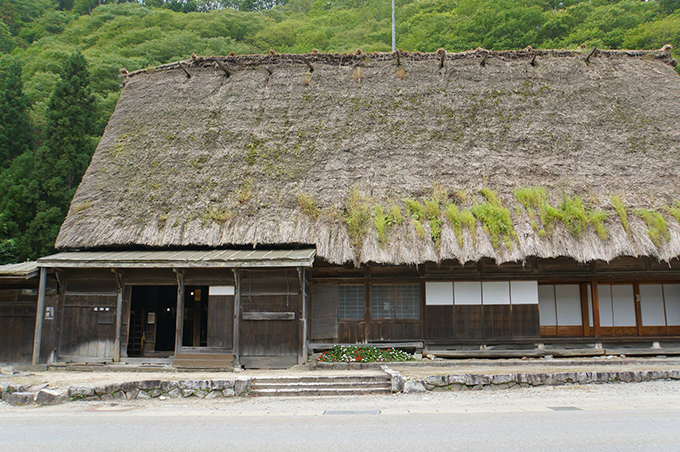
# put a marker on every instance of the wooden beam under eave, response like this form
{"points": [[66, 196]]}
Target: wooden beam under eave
{"points": [[179, 317], [39, 315]]}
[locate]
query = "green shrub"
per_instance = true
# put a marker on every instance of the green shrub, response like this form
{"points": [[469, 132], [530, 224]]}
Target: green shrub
{"points": [[363, 354]]}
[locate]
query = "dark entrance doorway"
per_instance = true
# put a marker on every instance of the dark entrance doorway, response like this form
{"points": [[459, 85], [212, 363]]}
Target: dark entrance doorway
{"points": [[153, 313]]}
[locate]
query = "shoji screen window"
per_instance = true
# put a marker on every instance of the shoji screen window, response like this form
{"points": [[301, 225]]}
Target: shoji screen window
{"points": [[560, 309], [617, 309]]}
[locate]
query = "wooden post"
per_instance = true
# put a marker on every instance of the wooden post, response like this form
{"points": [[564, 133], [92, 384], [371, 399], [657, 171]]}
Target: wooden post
{"points": [[596, 309], [119, 316], [237, 316], [302, 356], [39, 315], [638, 309], [179, 325], [585, 316]]}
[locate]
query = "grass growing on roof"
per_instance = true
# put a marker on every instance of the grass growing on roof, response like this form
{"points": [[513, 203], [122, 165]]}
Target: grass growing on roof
{"points": [[621, 211], [656, 226], [429, 210], [212, 214], [458, 219], [674, 211], [383, 221], [572, 213], [357, 217], [495, 218], [308, 205]]}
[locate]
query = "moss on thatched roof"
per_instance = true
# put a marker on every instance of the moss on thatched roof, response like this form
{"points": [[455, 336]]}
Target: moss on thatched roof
{"points": [[490, 154]]}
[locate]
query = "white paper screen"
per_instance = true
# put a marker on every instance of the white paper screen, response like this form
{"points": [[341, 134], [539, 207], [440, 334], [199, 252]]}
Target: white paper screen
{"points": [[439, 294], [604, 297], [651, 305], [467, 293], [221, 290], [568, 304], [623, 303], [546, 305], [671, 294], [524, 292], [496, 292]]}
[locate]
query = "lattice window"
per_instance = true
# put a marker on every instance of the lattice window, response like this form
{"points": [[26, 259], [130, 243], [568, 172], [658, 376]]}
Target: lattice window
{"points": [[324, 311], [395, 301], [351, 302]]}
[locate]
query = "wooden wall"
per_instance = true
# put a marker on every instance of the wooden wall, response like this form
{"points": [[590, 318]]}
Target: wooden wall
{"points": [[485, 322]]}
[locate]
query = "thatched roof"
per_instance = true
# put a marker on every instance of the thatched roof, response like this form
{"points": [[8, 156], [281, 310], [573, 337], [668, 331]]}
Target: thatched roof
{"points": [[345, 157]]}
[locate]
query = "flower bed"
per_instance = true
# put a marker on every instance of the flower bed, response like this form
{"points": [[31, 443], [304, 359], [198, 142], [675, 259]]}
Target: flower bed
{"points": [[363, 354]]}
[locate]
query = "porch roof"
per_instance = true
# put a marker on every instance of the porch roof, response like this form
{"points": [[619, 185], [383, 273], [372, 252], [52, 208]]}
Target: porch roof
{"points": [[182, 259], [23, 270]]}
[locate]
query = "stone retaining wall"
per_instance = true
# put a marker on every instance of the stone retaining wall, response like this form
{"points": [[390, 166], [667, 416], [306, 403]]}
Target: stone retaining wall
{"points": [[470, 382], [147, 389]]}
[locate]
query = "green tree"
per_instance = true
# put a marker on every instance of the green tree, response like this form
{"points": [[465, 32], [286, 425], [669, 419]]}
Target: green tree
{"points": [[16, 130], [69, 142]]}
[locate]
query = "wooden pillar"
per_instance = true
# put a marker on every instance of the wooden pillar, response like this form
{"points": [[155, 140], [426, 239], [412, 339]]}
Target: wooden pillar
{"points": [[179, 318], [585, 315], [302, 354], [367, 303], [119, 317], [638, 309], [39, 315], [596, 309], [237, 316]]}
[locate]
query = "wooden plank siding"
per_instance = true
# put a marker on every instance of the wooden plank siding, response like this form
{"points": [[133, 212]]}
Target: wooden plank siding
{"points": [[511, 322]]}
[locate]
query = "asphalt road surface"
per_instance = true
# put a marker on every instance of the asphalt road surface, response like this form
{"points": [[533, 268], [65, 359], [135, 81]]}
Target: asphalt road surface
{"points": [[605, 418]]}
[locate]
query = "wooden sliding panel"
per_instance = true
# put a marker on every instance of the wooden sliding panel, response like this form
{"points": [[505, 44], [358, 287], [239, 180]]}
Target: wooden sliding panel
{"points": [[652, 310], [525, 312], [671, 293], [497, 309], [623, 307], [604, 292], [221, 317], [439, 310], [548, 309], [395, 312], [569, 315], [468, 310]]}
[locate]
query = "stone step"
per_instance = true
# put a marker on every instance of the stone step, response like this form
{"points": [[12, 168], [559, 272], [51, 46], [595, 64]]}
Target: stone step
{"points": [[298, 392], [329, 385], [315, 379]]}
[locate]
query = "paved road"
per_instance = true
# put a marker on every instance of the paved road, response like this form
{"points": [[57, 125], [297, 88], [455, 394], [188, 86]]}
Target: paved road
{"points": [[644, 417], [556, 431]]}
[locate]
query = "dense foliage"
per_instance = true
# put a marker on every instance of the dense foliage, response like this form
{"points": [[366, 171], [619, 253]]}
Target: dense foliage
{"points": [[362, 354], [60, 57]]}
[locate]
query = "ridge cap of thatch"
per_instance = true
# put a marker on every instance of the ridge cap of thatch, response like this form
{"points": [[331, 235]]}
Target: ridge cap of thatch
{"points": [[350, 59]]}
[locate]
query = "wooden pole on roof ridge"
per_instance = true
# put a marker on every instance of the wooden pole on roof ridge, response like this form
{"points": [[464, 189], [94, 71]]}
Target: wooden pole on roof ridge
{"points": [[223, 66], [39, 315], [592, 52], [185, 69]]}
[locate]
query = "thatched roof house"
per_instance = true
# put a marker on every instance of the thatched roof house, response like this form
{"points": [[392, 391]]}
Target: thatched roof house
{"points": [[372, 159], [249, 209]]}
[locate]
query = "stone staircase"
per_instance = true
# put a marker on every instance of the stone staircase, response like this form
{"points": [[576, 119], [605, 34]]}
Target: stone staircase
{"points": [[321, 385]]}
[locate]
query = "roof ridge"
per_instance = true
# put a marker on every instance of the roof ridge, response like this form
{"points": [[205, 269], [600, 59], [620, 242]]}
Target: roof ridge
{"points": [[351, 59]]}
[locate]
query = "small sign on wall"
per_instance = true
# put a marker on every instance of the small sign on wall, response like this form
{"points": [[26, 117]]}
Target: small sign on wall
{"points": [[151, 318], [49, 312]]}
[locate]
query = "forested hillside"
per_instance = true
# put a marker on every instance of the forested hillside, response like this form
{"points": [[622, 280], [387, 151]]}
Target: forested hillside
{"points": [[60, 61]]}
